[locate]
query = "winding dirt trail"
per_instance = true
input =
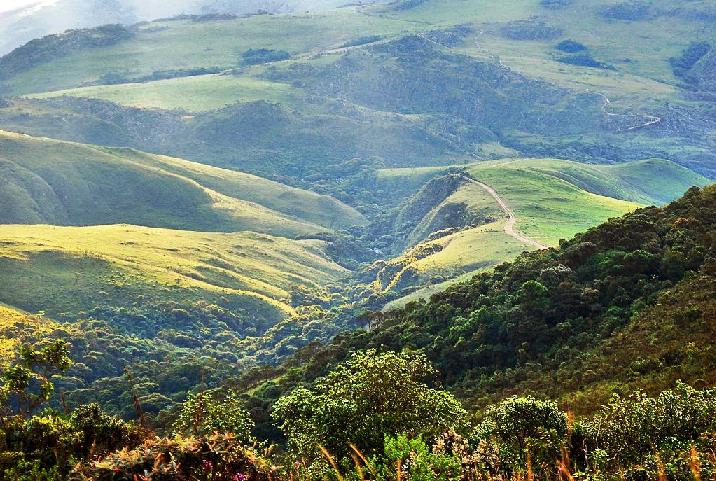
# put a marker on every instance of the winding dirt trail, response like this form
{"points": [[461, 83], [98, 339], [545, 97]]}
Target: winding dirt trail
{"points": [[650, 119], [510, 229]]}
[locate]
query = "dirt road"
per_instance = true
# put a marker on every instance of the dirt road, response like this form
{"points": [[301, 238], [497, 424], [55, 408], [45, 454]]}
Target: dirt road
{"points": [[510, 229]]}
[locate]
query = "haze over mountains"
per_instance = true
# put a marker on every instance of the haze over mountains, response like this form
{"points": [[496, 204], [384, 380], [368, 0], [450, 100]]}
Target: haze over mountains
{"points": [[22, 24]]}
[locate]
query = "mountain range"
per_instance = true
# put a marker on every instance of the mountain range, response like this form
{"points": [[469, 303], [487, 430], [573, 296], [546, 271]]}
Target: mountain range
{"points": [[241, 194]]}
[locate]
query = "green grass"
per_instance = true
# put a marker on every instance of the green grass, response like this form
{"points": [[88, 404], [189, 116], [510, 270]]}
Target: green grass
{"points": [[73, 269], [48, 181], [554, 199], [460, 255], [547, 208], [182, 44], [193, 94], [653, 181]]}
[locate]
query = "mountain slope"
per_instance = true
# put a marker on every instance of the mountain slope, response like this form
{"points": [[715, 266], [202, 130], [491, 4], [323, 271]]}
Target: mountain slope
{"points": [[53, 17], [70, 270], [49, 181], [564, 322], [455, 228]]}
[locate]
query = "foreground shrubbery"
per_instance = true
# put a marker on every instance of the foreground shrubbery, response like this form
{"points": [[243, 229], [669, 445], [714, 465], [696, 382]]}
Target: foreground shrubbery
{"points": [[219, 457], [378, 416]]}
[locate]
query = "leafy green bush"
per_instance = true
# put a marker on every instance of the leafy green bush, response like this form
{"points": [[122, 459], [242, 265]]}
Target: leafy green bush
{"points": [[417, 461], [362, 400], [522, 427], [254, 56], [208, 413], [631, 429]]}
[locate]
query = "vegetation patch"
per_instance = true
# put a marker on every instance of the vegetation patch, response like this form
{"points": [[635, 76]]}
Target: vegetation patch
{"points": [[49, 48], [689, 57], [255, 56], [530, 30], [570, 46], [629, 11], [581, 60], [356, 42]]}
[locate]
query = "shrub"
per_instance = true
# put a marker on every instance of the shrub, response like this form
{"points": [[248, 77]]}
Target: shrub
{"points": [[208, 413], [630, 429], [217, 457], [524, 424], [255, 56], [365, 398], [570, 46]]}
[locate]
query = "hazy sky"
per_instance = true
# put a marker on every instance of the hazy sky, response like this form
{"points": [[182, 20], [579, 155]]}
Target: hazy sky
{"points": [[12, 4]]}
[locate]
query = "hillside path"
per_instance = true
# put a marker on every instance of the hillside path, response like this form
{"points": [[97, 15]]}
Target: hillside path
{"points": [[510, 229]]}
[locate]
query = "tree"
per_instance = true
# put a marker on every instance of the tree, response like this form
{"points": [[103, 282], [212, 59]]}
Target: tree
{"points": [[26, 383], [365, 398], [522, 424], [207, 413], [630, 429], [97, 432]]}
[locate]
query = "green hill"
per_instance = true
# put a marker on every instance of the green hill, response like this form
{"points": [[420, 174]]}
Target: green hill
{"points": [[454, 228], [48, 181], [193, 94], [165, 304], [178, 44], [614, 98], [625, 305], [67, 271]]}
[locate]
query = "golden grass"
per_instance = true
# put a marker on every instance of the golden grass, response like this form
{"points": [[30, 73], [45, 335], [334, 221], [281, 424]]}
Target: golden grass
{"points": [[244, 263], [14, 324]]}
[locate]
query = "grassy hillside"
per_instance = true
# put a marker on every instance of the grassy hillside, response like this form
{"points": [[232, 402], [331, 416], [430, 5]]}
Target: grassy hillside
{"points": [[70, 270], [640, 67], [524, 34], [542, 190], [180, 44], [435, 264], [175, 308], [615, 97], [551, 200], [625, 305], [193, 94], [57, 182], [547, 208]]}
